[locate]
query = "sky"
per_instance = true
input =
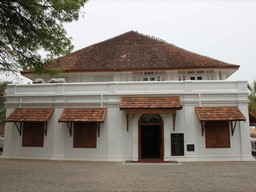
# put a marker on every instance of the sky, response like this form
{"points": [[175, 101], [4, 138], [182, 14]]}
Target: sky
{"points": [[221, 29]]}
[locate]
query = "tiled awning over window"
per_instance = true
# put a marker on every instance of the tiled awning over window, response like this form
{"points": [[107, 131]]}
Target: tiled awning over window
{"points": [[219, 114], [158, 105], [83, 115], [29, 115]]}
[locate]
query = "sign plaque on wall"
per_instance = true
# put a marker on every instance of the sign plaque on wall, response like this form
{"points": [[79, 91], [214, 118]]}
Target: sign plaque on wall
{"points": [[177, 144]]}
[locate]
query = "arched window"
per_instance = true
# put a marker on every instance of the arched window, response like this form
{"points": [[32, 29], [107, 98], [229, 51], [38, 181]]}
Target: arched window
{"points": [[151, 119]]}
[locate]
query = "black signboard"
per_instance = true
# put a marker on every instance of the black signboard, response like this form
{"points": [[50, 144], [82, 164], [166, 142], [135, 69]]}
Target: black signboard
{"points": [[177, 144], [190, 147]]}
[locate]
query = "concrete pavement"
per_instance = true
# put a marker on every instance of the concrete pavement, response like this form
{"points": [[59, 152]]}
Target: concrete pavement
{"points": [[75, 176]]}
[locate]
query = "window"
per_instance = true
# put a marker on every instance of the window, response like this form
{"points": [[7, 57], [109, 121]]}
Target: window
{"points": [[217, 134], [190, 72], [149, 76], [33, 134], [85, 135], [200, 72], [196, 78], [182, 78]]}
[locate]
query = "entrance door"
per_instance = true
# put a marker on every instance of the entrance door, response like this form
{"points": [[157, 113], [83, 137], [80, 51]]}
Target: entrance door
{"points": [[151, 138]]}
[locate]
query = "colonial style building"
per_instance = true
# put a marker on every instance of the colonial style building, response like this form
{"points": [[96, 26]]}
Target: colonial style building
{"points": [[132, 97]]}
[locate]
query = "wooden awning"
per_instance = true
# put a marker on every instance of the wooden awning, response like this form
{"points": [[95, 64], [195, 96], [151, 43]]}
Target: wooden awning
{"points": [[83, 115], [29, 115], [19, 116], [219, 114], [150, 105], [70, 116]]}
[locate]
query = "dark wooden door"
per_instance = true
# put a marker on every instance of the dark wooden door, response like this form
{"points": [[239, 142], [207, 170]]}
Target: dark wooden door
{"points": [[151, 142]]}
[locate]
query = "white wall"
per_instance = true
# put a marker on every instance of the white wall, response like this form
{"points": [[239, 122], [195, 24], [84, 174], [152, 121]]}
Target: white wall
{"points": [[115, 143], [167, 75]]}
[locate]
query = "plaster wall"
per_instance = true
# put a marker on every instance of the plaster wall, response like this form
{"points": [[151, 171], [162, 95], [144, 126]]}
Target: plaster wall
{"points": [[117, 142]]}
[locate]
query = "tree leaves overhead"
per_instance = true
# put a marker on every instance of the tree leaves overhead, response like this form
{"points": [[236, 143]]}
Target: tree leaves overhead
{"points": [[252, 97], [30, 26]]}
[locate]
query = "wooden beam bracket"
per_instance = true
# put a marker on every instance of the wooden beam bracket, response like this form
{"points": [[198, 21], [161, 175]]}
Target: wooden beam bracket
{"points": [[45, 128], [233, 127], [19, 128], [127, 122], [203, 128], [174, 119], [98, 127], [70, 126]]}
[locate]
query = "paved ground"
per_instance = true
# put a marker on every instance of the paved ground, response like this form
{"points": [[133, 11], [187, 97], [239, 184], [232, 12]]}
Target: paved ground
{"points": [[71, 176]]}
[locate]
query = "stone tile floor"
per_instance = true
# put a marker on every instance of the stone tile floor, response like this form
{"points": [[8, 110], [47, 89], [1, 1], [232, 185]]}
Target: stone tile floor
{"points": [[75, 176]]}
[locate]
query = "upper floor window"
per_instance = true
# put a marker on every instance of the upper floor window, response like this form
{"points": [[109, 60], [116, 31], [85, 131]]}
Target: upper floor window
{"points": [[149, 76], [196, 78], [190, 72]]}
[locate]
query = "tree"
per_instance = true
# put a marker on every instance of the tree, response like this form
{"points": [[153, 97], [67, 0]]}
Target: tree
{"points": [[2, 100], [30, 26], [252, 97]]}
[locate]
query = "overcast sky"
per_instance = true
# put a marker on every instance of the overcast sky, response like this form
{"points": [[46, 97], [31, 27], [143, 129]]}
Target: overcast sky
{"points": [[224, 29]]}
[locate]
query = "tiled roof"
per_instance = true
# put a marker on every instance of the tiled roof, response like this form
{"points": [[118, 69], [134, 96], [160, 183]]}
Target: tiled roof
{"points": [[133, 51], [150, 103], [38, 115], [219, 114], [83, 115]]}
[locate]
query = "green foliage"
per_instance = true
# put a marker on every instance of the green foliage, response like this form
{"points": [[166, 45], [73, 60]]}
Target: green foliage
{"points": [[2, 100], [252, 97], [30, 26]]}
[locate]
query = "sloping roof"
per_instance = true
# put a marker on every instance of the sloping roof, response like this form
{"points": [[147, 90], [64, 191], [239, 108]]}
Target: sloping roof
{"points": [[150, 103], [133, 51], [29, 115], [219, 114], [83, 115]]}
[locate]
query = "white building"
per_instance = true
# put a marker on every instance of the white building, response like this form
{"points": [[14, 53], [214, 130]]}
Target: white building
{"points": [[132, 97]]}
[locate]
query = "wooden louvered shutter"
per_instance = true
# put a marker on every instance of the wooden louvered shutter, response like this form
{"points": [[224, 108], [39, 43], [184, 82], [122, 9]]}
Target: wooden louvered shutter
{"points": [[217, 134], [33, 134], [38, 139], [85, 135], [91, 135], [223, 135], [79, 134], [211, 137], [27, 136]]}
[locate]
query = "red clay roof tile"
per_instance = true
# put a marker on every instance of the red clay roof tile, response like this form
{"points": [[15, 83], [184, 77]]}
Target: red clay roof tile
{"points": [[83, 115], [31, 115], [150, 103], [219, 114], [133, 51]]}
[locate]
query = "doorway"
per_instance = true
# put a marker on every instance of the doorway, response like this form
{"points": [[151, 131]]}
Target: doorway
{"points": [[151, 143]]}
